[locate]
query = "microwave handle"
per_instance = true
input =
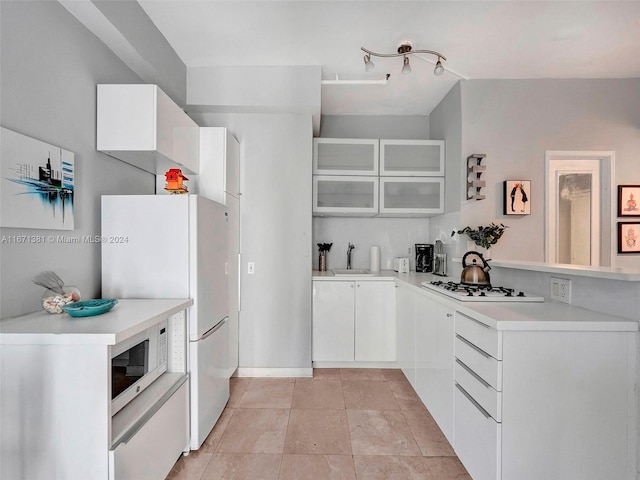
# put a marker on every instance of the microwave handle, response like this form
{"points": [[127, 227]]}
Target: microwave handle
{"points": [[215, 328]]}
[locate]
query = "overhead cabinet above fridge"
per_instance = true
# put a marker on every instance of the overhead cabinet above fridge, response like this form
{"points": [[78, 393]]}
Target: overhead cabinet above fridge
{"points": [[141, 125], [371, 177]]}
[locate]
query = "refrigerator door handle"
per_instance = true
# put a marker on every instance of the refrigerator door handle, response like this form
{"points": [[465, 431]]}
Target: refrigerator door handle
{"points": [[214, 329]]}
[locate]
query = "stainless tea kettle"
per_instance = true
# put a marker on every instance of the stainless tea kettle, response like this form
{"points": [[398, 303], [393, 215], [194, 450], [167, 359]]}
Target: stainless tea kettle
{"points": [[475, 274]]}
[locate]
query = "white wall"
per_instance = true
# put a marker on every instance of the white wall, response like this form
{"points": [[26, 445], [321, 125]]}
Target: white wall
{"points": [[402, 127], [50, 67], [275, 171], [514, 121]]}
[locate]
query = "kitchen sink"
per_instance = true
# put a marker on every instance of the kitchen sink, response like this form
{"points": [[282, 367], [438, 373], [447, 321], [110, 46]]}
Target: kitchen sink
{"points": [[352, 271]]}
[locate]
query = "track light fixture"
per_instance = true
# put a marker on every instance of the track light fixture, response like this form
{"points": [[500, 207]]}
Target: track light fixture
{"points": [[404, 50]]}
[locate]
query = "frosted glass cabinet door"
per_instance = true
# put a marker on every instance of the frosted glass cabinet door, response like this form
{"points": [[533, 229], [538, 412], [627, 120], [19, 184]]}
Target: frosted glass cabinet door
{"points": [[345, 195], [345, 156], [412, 158], [411, 196]]}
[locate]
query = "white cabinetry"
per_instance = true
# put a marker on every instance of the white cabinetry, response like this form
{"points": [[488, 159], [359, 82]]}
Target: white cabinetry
{"points": [[434, 361], [55, 400], [544, 404], [411, 196], [219, 180], [333, 316], [354, 321], [406, 334], [345, 156], [364, 177], [141, 125], [412, 158]]}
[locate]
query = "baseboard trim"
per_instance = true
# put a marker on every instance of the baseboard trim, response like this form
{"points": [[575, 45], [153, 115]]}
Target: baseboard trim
{"points": [[355, 365], [274, 372]]}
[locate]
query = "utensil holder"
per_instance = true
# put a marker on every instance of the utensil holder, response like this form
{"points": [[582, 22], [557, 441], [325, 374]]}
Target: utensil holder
{"points": [[322, 263]]}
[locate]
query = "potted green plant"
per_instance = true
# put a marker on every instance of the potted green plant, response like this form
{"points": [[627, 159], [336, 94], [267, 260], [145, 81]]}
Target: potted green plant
{"points": [[484, 237]]}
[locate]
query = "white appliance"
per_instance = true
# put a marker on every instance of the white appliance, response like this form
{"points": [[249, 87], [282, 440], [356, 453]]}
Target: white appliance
{"points": [[136, 363], [401, 264], [175, 246]]}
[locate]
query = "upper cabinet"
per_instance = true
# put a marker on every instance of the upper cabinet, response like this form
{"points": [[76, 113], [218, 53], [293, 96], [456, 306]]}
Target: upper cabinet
{"points": [[365, 177], [345, 156], [412, 158], [219, 173], [141, 125]]}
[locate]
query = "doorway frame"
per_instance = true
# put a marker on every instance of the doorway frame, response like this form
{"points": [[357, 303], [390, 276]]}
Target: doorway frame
{"points": [[608, 212]]}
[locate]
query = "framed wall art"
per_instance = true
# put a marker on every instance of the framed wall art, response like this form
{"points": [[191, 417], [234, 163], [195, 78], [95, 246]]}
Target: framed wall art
{"points": [[37, 183], [517, 197], [629, 237], [628, 200]]}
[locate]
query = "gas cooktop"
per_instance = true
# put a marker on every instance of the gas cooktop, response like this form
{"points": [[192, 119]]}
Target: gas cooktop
{"points": [[479, 293]]}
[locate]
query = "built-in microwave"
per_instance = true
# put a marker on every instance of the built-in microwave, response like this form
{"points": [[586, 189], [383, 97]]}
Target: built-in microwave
{"points": [[136, 363]]}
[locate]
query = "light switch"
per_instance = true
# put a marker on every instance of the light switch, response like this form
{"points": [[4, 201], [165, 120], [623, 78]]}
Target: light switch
{"points": [[251, 268]]}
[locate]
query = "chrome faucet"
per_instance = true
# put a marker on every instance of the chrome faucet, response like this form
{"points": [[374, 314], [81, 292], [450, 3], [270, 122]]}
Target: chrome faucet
{"points": [[351, 247]]}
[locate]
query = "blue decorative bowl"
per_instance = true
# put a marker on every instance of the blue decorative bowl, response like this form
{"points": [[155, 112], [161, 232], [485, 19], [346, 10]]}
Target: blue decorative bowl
{"points": [[90, 308]]}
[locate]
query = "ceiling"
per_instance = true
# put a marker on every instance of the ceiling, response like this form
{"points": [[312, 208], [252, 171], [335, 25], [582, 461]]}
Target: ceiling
{"points": [[481, 40]]}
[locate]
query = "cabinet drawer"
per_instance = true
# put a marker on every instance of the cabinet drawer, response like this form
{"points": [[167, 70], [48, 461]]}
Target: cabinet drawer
{"points": [[477, 439], [482, 336], [481, 391], [153, 449], [480, 362]]}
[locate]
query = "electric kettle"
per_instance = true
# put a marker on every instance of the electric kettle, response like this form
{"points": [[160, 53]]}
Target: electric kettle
{"points": [[474, 274]]}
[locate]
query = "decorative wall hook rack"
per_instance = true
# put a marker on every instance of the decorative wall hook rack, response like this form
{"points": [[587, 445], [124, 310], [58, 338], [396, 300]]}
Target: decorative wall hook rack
{"points": [[474, 172]]}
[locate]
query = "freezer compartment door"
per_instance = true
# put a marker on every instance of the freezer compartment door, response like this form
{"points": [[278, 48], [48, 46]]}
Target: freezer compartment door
{"points": [[209, 359]]}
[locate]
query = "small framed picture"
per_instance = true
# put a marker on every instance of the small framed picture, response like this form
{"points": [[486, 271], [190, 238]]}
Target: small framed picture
{"points": [[628, 237], [517, 197], [628, 198]]}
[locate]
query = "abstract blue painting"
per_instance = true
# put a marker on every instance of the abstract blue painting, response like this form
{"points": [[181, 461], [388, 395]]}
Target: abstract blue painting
{"points": [[36, 183]]}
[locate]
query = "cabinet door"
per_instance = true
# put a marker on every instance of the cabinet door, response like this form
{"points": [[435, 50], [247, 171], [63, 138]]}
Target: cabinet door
{"points": [[345, 156], [375, 326], [412, 158], [333, 310], [345, 195], [435, 333], [411, 196], [406, 336]]}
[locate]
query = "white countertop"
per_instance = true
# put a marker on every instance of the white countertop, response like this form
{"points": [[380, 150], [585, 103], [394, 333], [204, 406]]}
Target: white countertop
{"points": [[624, 274], [506, 316], [127, 318]]}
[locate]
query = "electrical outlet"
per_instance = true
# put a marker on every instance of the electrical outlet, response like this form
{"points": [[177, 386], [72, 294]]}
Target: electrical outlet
{"points": [[561, 290], [251, 268], [409, 251]]}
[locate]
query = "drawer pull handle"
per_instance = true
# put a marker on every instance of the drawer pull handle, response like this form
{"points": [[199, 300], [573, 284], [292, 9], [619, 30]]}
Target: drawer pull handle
{"points": [[477, 349], [476, 404], [449, 314], [474, 374], [477, 321]]}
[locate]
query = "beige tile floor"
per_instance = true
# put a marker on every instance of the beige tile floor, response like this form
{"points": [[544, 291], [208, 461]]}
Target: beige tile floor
{"points": [[342, 424]]}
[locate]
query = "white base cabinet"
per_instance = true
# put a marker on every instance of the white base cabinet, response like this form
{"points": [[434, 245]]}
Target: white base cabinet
{"points": [[354, 321], [55, 401], [522, 404], [544, 404], [434, 361]]}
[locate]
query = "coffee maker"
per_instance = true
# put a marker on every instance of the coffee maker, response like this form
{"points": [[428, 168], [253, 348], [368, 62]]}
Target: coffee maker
{"points": [[424, 257]]}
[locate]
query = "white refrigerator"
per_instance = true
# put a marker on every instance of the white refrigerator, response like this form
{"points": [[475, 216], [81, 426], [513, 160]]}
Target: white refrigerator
{"points": [[175, 246]]}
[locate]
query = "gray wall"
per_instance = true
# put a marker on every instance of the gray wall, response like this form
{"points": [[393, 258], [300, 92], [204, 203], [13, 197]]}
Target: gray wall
{"points": [[393, 235], [402, 127], [275, 166], [50, 67], [515, 121]]}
